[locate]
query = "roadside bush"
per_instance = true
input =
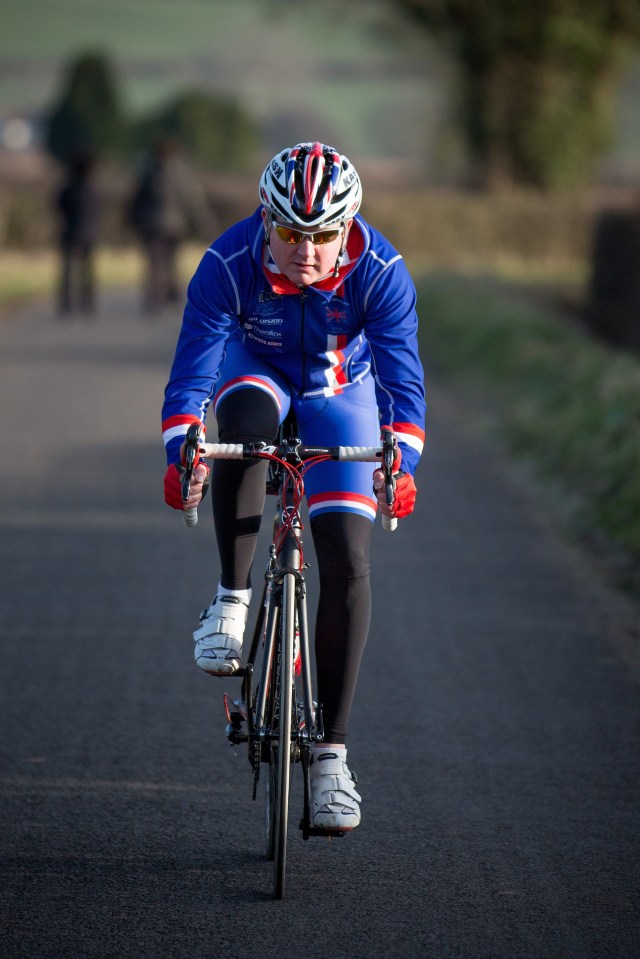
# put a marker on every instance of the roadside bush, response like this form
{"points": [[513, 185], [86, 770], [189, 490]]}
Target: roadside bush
{"points": [[544, 236], [26, 218], [216, 132], [457, 228], [566, 404]]}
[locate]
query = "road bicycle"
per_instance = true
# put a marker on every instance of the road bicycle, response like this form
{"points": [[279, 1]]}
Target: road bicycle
{"points": [[276, 714]]}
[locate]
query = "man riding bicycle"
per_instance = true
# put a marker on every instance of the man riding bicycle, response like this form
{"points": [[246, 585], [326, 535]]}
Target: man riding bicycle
{"points": [[301, 306]]}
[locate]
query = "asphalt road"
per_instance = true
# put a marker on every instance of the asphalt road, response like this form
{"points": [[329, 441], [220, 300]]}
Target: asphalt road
{"points": [[495, 732]]}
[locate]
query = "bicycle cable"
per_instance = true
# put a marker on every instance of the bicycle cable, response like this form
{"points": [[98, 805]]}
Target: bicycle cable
{"points": [[294, 477]]}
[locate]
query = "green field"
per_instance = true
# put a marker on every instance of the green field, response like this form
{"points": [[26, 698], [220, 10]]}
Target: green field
{"points": [[352, 74], [358, 79]]}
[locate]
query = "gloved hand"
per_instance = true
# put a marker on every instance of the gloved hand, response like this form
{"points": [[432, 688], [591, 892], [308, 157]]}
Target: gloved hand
{"points": [[404, 498], [405, 494], [405, 489], [173, 486]]}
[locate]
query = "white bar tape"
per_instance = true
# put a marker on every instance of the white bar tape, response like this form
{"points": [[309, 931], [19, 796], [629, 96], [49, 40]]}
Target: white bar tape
{"points": [[190, 516], [389, 523], [360, 454], [221, 451]]}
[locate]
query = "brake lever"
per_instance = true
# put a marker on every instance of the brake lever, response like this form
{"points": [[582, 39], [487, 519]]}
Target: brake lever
{"points": [[389, 452], [191, 444]]}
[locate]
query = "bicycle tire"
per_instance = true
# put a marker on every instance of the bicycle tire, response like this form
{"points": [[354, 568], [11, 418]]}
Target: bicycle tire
{"points": [[271, 780], [283, 759], [270, 626], [271, 801]]}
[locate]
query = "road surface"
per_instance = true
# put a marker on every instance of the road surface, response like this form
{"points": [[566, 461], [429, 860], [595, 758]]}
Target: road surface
{"points": [[495, 731]]}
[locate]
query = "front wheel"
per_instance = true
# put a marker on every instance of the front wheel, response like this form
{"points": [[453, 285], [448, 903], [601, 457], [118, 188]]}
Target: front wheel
{"points": [[283, 758], [271, 803]]}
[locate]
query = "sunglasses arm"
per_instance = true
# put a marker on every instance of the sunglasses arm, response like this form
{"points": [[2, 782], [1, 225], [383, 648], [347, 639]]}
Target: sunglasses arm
{"points": [[268, 224], [343, 246]]}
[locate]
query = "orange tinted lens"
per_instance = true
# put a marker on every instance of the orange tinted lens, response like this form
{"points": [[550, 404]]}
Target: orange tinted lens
{"points": [[287, 235], [327, 236]]}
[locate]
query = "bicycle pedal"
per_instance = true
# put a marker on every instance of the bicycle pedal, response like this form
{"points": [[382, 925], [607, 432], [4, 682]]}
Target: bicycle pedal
{"points": [[318, 831], [236, 719]]}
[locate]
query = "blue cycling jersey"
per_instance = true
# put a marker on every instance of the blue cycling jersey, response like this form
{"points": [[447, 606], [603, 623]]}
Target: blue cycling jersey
{"points": [[322, 339]]}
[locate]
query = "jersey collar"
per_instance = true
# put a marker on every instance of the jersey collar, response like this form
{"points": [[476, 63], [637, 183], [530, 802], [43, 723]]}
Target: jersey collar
{"points": [[280, 284]]}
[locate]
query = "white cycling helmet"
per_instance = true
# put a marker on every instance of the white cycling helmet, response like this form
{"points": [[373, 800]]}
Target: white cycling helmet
{"points": [[310, 185]]}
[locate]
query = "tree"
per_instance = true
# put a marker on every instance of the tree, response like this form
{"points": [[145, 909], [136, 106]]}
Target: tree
{"points": [[538, 80], [216, 132], [87, 117]]}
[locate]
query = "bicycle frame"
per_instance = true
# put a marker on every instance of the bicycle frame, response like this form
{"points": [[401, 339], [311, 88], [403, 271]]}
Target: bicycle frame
{"points": [[282, 720]]}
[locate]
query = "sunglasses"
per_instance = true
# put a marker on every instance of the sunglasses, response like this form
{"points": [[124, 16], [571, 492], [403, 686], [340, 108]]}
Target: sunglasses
{"points": [[287, 235]]}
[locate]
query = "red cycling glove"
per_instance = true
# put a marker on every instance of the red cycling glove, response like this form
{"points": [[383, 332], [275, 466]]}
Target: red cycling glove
{"points": [[405, 495], [173, 485]]}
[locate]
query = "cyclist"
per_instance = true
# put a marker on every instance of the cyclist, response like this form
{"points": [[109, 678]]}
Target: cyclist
{"points": [[302, 305]]}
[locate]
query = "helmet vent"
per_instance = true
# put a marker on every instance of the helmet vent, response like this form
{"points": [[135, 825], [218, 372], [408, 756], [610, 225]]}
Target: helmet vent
{"points": [[311, 184]]}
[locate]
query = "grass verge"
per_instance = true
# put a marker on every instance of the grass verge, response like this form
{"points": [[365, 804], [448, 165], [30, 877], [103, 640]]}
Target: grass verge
{"points": [[564, 404]]}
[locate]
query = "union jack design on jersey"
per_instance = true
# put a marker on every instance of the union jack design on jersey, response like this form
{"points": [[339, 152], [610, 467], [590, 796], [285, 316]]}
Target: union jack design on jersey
{"points": [[336, 375]]}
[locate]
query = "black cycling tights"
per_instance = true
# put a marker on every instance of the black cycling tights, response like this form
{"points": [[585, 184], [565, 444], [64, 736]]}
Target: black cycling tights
{"points": [[341, 540]]}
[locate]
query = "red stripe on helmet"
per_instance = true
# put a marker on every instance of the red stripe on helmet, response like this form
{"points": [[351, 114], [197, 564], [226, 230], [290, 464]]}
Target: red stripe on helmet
{"points": [[313, 172]]}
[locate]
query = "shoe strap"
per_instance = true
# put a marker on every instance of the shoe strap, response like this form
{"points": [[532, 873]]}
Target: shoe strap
{"points": [[331, 765], [224, 598], [225, 619], [218, 641], [331, 788]]}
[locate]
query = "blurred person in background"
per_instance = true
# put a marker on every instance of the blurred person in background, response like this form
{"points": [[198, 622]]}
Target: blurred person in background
{"points": [[78, 204], [168, 205]]}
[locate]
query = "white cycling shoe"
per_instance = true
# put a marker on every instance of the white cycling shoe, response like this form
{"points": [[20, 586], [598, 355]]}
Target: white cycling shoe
{"points": [[334, 802], [219, 638]]}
